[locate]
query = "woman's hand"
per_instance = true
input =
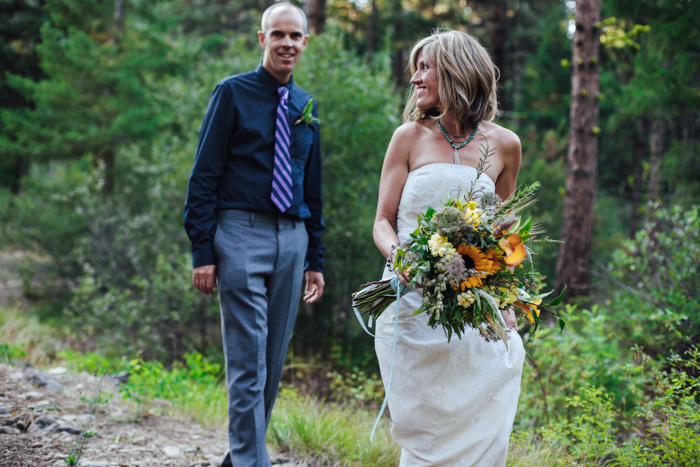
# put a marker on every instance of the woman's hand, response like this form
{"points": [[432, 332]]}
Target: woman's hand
{"points": [[509, 318]]}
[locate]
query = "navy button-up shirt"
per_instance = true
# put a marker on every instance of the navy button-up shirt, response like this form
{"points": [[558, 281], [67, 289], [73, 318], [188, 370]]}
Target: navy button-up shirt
{"points": [[235, 159]]}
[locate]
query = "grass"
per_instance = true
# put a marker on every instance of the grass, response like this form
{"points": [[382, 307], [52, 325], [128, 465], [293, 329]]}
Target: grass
{"points": [[329, 434], [337, 434], [25, 338]]}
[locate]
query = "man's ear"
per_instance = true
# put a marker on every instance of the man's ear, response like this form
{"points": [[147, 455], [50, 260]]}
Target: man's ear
{"points": [[261, 39]]}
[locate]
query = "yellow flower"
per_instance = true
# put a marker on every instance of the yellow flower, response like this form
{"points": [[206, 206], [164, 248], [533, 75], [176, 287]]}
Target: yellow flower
{"points": [[472, 215], [508, 295], [472, 204], [439, 246], [513, 248], [465, 299]]}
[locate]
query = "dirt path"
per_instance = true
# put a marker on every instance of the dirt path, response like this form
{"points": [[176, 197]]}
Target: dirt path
{"points": [[43, 413]]}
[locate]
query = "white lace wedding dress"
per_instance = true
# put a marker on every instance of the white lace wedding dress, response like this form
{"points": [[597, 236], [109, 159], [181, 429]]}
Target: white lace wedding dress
{"points": [[452, 404]]}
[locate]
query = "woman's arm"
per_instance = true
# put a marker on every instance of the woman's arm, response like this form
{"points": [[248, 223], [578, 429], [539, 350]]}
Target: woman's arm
{"points": [[511, 154], [394, 173]]}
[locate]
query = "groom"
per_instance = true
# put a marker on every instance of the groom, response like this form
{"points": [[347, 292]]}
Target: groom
{"points": [[254, 216]]}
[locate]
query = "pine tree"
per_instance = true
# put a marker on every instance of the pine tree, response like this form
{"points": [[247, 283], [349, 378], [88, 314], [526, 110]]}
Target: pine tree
{"points": [[573, 265], [101, 61]]}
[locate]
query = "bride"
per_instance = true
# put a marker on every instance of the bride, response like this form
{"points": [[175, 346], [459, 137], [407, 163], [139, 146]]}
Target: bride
{"points": [[451, 403]]}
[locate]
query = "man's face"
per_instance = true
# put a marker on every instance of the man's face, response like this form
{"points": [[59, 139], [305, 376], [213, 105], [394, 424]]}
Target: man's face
{"points": [[283, 41]]}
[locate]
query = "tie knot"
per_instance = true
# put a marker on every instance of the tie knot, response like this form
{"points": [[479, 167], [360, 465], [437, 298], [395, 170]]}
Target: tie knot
{"points": [[283, 92]]}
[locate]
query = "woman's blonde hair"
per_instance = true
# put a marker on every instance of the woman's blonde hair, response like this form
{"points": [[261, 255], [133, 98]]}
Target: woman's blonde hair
{"points": [[466, 78]]}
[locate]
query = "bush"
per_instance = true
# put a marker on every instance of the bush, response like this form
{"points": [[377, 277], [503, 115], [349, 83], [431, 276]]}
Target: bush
{"points": [[655, 283]]}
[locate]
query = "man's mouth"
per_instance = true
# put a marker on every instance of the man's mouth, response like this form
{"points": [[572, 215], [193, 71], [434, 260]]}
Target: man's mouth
{"points": [[286, 55]]}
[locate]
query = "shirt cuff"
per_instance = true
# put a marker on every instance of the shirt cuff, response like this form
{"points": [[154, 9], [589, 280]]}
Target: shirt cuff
{"points": [[203, 256]]}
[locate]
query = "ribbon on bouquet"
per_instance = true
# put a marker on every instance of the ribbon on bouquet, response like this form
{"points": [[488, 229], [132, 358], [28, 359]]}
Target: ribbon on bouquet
{"points": [[398, 288]]}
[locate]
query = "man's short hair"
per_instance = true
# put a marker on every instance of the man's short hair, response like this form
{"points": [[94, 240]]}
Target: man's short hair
{"points": [[264, 24]]}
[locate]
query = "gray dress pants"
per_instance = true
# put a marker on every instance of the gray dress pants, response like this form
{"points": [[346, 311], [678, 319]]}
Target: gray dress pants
{"points": [[260, 262]]}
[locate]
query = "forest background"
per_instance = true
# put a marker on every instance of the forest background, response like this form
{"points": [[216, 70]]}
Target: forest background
{"points": [[101, 107]]}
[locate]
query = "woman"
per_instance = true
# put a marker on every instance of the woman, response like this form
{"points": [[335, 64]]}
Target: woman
{"points": [[452, 403]]}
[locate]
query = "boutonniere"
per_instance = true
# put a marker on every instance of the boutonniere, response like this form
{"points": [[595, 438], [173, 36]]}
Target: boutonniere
{"points": [[306, 116]]}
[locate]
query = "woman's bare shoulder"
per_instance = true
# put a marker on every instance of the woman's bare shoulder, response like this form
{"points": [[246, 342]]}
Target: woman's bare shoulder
{"points": [[501, 136], [410, 130]]}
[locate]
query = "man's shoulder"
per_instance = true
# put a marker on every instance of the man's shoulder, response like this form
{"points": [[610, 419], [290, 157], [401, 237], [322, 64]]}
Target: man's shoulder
{"points": [[236, 80]]}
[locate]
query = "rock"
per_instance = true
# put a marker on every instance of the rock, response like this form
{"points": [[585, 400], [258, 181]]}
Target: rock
{"points": [[59, 370], [31, 395], [4, 411], [43, 425], [89, 463], [201, 463], [71, 430], [172, 451], [41, 380], [9, 430], [122, 377]]}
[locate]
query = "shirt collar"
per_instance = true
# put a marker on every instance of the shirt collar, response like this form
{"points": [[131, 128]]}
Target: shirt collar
{"points": [[267, 79]]}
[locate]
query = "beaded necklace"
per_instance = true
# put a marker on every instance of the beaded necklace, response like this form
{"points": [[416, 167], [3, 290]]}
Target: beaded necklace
{"points": [[456, 145]]}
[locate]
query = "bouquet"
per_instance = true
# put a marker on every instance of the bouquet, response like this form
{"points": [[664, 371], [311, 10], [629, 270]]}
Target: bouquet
{"points": [[470, 257]]}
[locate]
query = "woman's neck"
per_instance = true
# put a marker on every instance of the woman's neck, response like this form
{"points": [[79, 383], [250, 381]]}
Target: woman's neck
{"points": [[454, 127]]}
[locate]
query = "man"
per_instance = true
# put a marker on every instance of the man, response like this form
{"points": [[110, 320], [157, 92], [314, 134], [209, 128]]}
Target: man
{"points": [[253, 214]]}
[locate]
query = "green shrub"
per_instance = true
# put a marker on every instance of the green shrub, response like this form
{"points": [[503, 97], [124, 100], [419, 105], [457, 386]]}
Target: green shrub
{"points": [[655, 283]]}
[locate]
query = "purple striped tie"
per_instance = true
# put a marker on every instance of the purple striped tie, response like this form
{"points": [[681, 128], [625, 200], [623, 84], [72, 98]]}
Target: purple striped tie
{"points": [[281, 193]]}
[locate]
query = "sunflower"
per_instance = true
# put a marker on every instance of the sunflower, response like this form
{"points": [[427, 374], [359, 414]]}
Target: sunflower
{"points": [[474, 259], [472, 281], [496, 260]]}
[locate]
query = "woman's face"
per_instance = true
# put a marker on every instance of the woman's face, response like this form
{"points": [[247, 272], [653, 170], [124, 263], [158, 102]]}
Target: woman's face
{"points": [[426, 82]]}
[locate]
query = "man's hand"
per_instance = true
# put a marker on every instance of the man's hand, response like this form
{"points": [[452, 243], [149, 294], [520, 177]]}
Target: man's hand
{"points": [[509, 318], [314, 286], [204, 279]]}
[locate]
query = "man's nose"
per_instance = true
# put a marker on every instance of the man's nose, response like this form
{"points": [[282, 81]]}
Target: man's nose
{"points": [[287, 41]]}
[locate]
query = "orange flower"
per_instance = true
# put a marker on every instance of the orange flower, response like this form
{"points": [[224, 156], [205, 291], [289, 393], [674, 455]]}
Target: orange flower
{"points": [[513, 248], [528, 308]]}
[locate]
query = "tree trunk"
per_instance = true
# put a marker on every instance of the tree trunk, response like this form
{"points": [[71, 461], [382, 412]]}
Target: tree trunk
{"points": [[398, 50], [371, 31], [316, 13], [573, 265], [498, 46], [656, 145]]}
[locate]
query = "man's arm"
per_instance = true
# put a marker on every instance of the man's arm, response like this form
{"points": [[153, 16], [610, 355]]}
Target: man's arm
{"points": [[313, 198], [203, 188]]}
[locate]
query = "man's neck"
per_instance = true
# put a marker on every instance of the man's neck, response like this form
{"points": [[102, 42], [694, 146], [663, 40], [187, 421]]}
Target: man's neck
{"points": [[282, 79]]}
